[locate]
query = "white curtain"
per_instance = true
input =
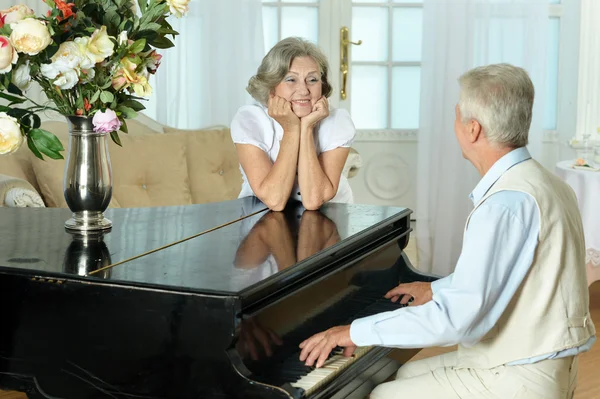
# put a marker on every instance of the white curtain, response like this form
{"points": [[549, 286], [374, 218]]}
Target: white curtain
{"points": [[201, 81], [460, 35]]}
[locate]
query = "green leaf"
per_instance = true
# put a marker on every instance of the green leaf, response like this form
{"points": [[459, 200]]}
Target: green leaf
{"points": [[106, 97], [17, 112], [127, 112], [143, 4], [95, 97], [14, 89], [162, 43], [12, 99], [37, 122], [138, 46], [124, 127], [115, 137], [46, 143], [135, 105], [33, 148]]}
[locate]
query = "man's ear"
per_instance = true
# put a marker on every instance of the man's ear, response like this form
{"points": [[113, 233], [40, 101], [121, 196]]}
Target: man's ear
{"points": [[475, 131]]}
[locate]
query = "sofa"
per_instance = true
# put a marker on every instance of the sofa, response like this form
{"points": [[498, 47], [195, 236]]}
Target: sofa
{"points": [[156, 166]]}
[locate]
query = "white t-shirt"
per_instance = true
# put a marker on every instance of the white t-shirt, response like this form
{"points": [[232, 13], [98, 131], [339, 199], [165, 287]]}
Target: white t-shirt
{"points": [[253, 125]]}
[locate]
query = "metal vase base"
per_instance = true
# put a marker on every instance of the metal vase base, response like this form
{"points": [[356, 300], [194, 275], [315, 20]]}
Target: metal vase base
{"points": [[88, 221]]}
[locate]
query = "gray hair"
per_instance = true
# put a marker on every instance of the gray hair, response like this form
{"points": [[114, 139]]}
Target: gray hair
{"points": [[499, 97], [276, 65]]}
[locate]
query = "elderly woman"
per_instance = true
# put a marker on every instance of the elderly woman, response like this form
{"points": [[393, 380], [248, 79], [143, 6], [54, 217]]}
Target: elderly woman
{"points": [[291, 144]]}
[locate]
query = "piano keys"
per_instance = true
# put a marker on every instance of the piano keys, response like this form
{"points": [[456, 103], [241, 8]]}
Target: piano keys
{"points": [[150, 312]]}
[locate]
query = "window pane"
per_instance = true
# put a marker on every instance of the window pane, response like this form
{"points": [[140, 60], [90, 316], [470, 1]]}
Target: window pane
{"points": [[370, 1], [270, 28], [554, 1], [409, 1], [551, 103], [406, 94], [370, 24], [300, 1], [300, 21], [269, 1], [407, 34], [368, 98]]}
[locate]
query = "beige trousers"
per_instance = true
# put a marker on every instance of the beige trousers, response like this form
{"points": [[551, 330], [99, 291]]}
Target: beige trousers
{"points": [[437, 378]]}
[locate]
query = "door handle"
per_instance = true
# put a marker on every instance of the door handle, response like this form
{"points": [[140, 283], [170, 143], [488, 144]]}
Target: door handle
{"points": [[344, 43]]}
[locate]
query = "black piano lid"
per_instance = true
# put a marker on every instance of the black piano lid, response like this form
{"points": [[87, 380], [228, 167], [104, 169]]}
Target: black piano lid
{"points": [[35, 242]]}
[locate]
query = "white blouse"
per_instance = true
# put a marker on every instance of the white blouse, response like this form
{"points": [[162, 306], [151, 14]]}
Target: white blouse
{"points": [[253, 125]]}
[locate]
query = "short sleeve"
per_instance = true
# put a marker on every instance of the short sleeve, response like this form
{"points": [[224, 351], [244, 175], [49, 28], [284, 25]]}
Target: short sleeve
{"points": [[337, 130], [251, 125]]}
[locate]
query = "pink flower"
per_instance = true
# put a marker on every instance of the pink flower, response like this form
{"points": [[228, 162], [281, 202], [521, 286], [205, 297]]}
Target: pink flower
{"points": [[106, 122]]}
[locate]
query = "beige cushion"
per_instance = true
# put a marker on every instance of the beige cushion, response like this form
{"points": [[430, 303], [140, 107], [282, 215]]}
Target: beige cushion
{"points": [[212, 164], [19, 165], [150, 170]]}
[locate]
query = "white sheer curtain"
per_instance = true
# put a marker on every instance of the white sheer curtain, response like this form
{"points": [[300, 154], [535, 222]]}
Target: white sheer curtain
{"points": [[460, 35], [202, 80]]}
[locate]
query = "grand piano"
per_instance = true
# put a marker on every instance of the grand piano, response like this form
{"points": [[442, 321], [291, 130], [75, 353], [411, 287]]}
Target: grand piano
{"points": [[202, 301]]}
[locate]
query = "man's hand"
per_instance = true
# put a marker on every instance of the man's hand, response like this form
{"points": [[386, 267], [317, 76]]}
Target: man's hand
{"points": [[319, 346], [281, 110], [420, 293], [319, 112]]}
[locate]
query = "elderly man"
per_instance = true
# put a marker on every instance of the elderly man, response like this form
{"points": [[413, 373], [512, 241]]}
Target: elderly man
{"points": [[517, 303]]}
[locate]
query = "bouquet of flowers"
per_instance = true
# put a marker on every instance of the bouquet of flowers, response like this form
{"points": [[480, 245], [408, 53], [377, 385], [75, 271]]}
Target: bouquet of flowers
{"points": [[90, 58]]}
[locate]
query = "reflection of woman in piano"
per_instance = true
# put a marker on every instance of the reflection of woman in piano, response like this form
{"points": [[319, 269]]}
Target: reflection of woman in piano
{"points": [[291, 144], [276, 242]]}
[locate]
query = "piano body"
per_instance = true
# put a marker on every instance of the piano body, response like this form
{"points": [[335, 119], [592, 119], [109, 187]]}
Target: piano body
{"points": [[147, 311]]}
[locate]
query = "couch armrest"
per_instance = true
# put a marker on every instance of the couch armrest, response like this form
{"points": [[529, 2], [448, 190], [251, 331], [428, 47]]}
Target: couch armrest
{"points": [[18, 193], [353, 164]]}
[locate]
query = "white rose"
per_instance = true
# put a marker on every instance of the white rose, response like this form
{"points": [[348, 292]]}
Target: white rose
{"points": [[100, 45], [87, 59], [178, 7], [122, 38], [22, 76], [8, 55], [30, 36], [10, 134], [16, 13], [68, 55], [67, 79]]}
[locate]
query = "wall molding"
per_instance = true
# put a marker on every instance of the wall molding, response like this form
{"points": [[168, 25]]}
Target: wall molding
{"points": [[388, 135], [412, 136]]}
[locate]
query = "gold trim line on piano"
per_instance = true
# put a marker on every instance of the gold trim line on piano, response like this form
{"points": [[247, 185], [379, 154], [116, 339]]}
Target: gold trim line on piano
{"points": [[174, 243]]}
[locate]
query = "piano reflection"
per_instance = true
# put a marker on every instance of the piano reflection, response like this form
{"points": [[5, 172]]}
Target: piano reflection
{"points": [[202, 301]]}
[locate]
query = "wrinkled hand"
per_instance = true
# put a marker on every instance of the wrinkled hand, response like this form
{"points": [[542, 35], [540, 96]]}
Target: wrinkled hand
{"points": [[319, 346], [256, 340], [319, 112], [419, 291], [281, 110]]}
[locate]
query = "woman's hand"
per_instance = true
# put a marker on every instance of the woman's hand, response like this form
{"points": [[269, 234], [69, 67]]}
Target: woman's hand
{"points": [[281, 110], [319, 112]]}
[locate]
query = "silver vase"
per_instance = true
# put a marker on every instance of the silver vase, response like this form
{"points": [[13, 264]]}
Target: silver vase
{"points": [[88, 176]]}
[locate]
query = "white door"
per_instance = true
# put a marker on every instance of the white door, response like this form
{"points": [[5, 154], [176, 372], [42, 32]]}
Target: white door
{"points": [[382, 86]]}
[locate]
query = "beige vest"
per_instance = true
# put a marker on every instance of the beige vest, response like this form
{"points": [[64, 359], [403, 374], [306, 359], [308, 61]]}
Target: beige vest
{"points": [[550, 310]]}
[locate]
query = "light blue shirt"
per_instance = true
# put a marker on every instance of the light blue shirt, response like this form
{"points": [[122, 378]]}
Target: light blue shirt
{"points": [[498, 249]]}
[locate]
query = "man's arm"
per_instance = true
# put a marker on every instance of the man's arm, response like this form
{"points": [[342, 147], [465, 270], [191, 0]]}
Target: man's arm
{"points": [[497, 253]]}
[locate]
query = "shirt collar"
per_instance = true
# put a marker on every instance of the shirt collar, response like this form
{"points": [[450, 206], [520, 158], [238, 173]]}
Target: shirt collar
{"points": [[502, 165]]}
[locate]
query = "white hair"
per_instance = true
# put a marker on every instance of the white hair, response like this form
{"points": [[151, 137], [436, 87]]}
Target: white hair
{"points": [[499, 97]]}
